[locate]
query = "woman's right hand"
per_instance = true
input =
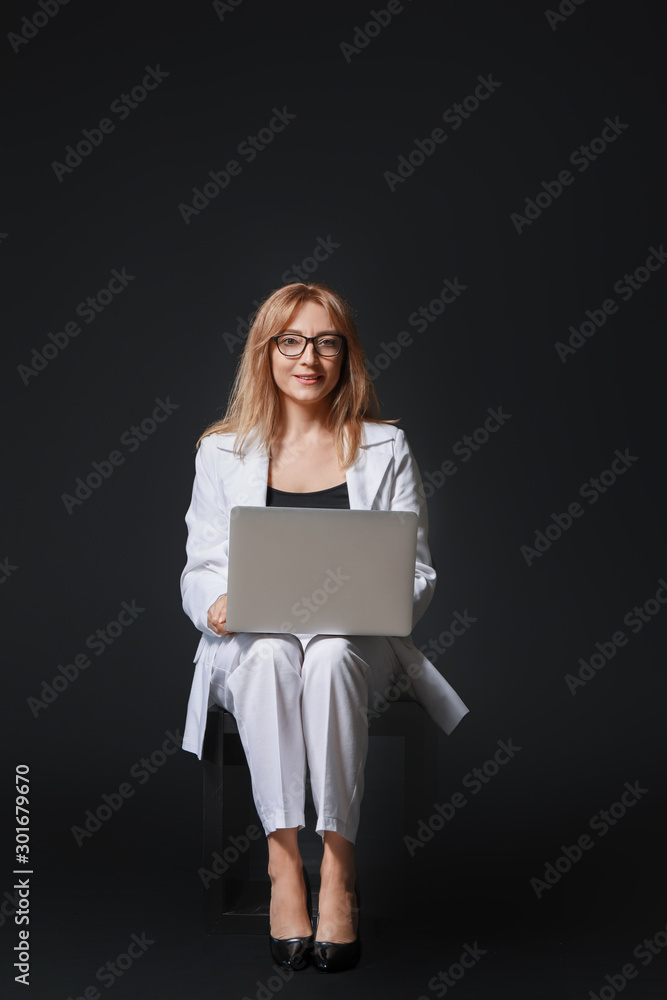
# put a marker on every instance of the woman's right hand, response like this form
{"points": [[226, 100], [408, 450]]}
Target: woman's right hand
{"points": [[217, 616]]}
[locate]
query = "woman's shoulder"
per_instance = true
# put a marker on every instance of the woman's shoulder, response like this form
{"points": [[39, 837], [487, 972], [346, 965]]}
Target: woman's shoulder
{"points": [[219, 440], [377, 432]]}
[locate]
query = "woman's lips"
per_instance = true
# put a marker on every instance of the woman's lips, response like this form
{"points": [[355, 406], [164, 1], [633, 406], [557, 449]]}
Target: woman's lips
{"points": [[308, 378]]}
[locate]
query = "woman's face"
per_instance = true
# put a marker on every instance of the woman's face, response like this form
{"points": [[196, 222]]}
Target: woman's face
{"points": [[309, 378]]}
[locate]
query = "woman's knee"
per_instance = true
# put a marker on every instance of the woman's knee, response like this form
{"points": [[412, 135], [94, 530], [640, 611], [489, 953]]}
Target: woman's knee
{"points": [[277, 646], [336, 654]]}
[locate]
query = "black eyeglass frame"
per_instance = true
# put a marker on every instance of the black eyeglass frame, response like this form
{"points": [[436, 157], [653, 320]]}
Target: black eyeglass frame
{"points": [[309, 340]]}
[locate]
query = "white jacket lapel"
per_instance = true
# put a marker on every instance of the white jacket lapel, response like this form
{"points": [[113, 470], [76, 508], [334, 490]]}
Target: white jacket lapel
{"points": [[244, 480], [366, 476]]}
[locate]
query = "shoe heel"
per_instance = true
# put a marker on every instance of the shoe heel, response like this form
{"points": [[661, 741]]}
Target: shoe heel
{"points": [[295, 952], [330, 956]]}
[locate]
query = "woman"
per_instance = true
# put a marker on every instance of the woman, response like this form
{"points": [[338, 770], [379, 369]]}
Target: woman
{"points": [[301, 430]]}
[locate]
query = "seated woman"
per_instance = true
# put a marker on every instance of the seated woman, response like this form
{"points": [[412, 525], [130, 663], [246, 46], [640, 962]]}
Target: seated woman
{"points": [[302, 428]]}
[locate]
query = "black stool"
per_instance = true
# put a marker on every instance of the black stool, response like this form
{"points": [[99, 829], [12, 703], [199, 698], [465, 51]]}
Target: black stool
{"points": [[233, 903]]}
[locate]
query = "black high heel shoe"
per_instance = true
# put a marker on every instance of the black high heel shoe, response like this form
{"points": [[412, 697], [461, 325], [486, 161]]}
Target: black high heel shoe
{"points": [[330, 956], [295, 952]]}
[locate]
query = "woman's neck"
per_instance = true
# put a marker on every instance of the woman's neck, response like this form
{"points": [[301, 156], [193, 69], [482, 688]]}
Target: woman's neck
{"points": [[297, 422]]}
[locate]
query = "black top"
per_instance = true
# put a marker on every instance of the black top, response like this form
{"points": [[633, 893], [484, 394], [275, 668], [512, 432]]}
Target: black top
{"points": [[335, 496]]}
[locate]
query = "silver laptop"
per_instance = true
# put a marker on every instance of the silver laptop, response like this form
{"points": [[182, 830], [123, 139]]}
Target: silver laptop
{"points": [[320, 570]]}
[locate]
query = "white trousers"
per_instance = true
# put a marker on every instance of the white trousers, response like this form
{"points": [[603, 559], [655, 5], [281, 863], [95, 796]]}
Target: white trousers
{"points": [[302, 701]]}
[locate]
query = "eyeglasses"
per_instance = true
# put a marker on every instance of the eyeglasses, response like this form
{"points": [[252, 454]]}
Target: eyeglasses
{"points": [[292, 345]]}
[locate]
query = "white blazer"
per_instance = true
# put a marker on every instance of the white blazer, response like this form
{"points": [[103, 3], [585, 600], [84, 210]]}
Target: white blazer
{"points": [[383, 477]]}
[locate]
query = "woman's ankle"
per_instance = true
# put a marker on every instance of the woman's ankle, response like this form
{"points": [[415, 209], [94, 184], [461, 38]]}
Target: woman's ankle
{"points": [[338, 861], [338, 878], [284, 855]]}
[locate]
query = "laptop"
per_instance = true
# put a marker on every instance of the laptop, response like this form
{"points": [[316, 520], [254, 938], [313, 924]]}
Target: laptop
{"points": [[321, 571]]}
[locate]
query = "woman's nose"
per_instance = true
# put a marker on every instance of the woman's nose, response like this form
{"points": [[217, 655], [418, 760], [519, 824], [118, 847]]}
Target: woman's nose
{"points": [[310, 354]]}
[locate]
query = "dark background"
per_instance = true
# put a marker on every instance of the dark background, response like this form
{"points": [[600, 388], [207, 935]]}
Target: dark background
{"points": [[322, 177]]}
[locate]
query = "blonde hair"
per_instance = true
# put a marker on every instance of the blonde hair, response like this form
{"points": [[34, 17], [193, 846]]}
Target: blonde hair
{"points": [[253, 409]]}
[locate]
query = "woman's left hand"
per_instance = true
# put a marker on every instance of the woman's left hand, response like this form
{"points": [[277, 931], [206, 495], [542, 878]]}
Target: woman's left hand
{"points": [[217, 616]]}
